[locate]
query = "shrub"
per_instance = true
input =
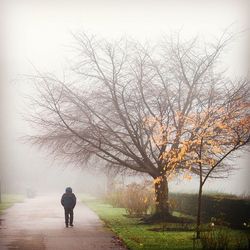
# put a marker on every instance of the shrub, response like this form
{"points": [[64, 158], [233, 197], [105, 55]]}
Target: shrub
{"points": [[138, 198], [223, 209], [115, 198]]}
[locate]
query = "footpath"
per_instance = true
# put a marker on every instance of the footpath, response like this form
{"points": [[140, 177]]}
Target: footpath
{"points": [[38, 224]]}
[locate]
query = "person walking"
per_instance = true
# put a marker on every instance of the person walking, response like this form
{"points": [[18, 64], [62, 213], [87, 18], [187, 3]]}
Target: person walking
{"points": [[68, 201]]}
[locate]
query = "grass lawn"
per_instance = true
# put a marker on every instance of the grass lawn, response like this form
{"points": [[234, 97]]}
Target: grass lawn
{"points": [[9, 199], [137, 235]]}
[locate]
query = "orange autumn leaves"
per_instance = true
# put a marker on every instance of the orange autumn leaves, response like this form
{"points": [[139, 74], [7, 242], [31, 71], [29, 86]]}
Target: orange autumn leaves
{"points": [[199, 138]]}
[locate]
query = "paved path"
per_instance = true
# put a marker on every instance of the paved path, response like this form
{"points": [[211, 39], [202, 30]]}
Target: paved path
{"points": [[38, 224]]}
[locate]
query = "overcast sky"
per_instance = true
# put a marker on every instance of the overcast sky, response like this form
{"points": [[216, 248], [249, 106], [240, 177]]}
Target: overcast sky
{"points": [[39, 33]]}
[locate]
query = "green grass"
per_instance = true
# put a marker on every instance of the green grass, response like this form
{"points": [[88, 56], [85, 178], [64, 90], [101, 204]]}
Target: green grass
{"points": [[9, 199], [137, 235]]}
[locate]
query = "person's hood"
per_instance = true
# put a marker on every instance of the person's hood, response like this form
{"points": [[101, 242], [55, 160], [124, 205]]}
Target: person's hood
{"points": [[68, 190]]}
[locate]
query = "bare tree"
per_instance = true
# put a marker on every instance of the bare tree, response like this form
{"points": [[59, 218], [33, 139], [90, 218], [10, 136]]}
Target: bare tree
{"points": [[127, 104]]}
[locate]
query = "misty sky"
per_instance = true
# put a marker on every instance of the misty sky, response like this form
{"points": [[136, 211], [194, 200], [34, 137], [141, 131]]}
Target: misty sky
{"points": [[39, 33]]}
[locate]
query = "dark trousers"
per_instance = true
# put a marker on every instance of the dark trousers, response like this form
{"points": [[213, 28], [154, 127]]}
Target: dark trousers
{"points": [[69, 216]]}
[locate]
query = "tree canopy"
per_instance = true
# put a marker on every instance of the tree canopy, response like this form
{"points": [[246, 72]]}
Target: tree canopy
{"points": [[142, 107]]}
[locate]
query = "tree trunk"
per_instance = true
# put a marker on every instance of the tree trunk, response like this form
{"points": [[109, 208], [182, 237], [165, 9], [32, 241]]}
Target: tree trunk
{"points": [[198, 223], [161, 194]]}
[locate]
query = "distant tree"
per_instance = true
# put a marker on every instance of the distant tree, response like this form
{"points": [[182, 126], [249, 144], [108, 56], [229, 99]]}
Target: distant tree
{"points": [[127, 104], [111, 173]]}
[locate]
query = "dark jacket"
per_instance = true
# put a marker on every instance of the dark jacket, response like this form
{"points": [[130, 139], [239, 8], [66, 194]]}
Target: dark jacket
{"points": [[68, 199]]}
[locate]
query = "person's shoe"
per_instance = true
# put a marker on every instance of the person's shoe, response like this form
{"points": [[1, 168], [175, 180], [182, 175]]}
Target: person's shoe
{"points": [[67, 225], [71, 225]]}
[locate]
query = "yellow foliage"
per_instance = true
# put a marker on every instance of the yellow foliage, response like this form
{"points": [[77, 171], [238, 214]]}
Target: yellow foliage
{"points": [[209, 132], [216, 150], [187, 176], [157, 180]]}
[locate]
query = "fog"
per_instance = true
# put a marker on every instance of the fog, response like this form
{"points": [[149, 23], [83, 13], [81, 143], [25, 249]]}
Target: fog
{"points": [[38, 34]]}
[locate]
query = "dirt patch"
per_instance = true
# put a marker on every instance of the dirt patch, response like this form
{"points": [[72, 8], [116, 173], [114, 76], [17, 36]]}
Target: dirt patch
{"points": [[118, 242], [171, 229], [159, 218], [28, 243]]}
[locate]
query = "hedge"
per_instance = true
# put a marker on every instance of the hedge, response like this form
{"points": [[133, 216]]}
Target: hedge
{"points": [[221, 208]]}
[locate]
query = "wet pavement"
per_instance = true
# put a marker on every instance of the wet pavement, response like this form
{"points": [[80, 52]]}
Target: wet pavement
{"points": [[38, 224]]}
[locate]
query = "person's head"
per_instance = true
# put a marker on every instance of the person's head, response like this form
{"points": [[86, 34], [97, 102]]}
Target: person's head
{"points": [[68, 190]]}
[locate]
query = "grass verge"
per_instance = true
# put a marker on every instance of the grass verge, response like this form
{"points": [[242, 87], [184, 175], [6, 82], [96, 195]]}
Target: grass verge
{"points": [[8, 200], [137, 235]]}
